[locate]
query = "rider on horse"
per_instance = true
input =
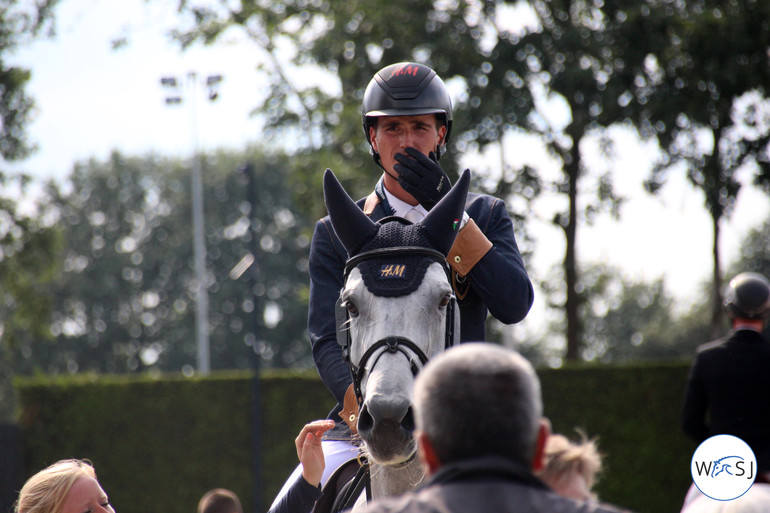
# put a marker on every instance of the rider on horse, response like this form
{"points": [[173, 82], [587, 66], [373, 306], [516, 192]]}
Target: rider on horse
{"points": [[407, 121]]}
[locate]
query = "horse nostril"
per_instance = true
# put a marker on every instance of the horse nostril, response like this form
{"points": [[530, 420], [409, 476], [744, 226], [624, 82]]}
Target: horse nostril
{"points": [[408, 421], [365, 421]]}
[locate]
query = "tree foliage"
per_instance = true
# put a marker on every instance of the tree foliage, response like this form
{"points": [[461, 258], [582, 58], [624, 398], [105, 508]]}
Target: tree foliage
{"points": [[561, 70], [26, 245], [125, 298], [703, 94], [19, 22], [498, 72]]}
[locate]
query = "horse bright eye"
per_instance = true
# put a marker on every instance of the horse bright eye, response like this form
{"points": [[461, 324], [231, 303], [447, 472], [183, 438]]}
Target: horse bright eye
{"points": [[352, 308]]}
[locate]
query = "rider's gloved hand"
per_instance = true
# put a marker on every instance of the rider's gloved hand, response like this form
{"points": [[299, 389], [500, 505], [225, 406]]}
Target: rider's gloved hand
{"points": [[422, 177]]}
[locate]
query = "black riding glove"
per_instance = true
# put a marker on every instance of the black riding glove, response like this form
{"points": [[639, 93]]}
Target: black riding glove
{"points": [[422, 177]]}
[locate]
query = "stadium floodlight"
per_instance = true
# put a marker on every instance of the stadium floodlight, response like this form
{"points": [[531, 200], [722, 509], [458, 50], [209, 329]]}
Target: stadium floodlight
{"points": [[199, 245]]}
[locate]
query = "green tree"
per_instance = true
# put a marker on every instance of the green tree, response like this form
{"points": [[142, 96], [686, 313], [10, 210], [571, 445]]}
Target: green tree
{"points": [[20, 22], [125, 299], [496, 70], [702, 93], [595, 64], [755, 255], [755, 251], [626, 320], [26, 245]]}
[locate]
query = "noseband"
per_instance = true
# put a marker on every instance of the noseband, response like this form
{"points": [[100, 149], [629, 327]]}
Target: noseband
{"points": [[388, 344]]}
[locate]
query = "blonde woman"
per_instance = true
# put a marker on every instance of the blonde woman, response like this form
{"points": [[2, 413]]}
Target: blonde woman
{"points": [[67, 486], [571, 468]]}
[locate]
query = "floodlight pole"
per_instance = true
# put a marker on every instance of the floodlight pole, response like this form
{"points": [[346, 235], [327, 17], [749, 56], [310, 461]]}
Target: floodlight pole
{"points": [[199, 243]]}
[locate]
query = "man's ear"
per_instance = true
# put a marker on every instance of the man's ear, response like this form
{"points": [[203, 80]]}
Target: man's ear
{"points": [[543, 432], [427, 453], [373, 137], [441, 134]]}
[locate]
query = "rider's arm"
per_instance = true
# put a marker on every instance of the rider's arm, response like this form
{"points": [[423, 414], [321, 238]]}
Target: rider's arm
{"points": [[326, 265], [302, 490], [486, 252], [300, 497]]}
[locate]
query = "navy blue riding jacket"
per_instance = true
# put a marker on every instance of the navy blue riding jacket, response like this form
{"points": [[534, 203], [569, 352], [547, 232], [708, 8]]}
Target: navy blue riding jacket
{"points": [[497, 284]]}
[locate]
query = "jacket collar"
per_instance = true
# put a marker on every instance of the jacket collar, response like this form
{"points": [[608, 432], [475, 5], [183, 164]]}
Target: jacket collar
{"points": [[486, 466]]}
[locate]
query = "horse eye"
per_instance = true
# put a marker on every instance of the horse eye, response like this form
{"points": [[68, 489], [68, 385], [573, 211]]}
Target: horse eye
{"points": [[445, 300], [352, 308]]}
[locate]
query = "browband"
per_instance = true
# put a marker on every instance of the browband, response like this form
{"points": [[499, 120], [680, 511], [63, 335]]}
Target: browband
{"points": [[395, 251]]}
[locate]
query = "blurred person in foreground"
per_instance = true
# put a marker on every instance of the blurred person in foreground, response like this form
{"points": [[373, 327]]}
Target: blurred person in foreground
{"points": [[220, 500], [729, 380], [481, 437], [755, 500], [571, 468], [67, 486]]}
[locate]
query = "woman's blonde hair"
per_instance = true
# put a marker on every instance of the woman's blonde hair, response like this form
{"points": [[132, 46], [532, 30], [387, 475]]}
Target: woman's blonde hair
{"points": [[46, 491], [564, 457]]}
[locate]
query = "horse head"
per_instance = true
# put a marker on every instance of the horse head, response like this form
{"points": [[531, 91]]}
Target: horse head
{"points": [[397, 298]]}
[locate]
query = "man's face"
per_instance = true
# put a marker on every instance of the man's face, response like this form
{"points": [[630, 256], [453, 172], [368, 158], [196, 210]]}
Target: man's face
{"points": [[394, 133]]}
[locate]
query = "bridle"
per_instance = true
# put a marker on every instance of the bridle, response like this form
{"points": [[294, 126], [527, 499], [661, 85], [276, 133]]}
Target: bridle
{"points": [[389, 344]]}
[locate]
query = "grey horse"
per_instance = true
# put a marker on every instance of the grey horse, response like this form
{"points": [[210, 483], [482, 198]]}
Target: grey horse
{"points": [[399, 311]]}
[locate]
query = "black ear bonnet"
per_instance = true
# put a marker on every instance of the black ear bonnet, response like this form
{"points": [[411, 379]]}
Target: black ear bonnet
{"points": [[393, 256], [396, 273]]}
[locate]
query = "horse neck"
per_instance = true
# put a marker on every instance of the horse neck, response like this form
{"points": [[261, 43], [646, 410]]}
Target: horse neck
{"points": [[389, 481]]}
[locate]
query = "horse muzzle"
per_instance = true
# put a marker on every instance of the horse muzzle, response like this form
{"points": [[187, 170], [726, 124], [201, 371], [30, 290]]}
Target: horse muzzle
{"points": [[386, 424]]}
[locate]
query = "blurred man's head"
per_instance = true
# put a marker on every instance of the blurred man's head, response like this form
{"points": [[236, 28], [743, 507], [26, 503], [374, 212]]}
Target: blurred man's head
{"points": [[219, 500], [479, 399]]}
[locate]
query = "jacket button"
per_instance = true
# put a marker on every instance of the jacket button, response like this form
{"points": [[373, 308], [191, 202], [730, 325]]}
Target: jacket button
{"points": [[457, 259]]}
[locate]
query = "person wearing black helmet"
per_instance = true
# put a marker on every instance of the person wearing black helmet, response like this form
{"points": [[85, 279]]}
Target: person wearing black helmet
{"points": [[729, 380], [407, 121]]}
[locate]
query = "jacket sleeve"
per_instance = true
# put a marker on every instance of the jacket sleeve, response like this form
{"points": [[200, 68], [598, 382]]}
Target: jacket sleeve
{"points": [[326, 265], [499, 276], [299, 498]]}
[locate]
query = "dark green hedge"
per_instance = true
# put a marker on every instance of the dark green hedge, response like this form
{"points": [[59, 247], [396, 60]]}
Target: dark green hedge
{"points": [[158, 444], [635, 413]]}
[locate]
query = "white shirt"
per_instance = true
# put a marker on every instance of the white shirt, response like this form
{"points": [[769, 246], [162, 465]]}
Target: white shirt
{"points": [[403, 209]]}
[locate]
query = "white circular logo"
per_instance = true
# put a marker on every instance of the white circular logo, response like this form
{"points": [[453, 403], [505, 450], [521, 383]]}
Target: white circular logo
{"points": [[723, 467]]}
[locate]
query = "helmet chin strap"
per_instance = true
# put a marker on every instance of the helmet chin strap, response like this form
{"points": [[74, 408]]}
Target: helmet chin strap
{"points": [[378, 161], [395, 177]]}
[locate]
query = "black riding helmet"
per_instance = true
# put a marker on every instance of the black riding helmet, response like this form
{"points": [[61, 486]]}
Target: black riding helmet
{"points": [[406, 89], [748, 296]]}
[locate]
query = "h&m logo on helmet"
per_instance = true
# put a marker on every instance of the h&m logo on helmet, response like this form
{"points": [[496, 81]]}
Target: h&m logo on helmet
{"points": [[392, 271], [407, 69], [723, 467]]}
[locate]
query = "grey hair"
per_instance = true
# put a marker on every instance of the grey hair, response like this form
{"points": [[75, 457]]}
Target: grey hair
{"points": [[479, 399]]}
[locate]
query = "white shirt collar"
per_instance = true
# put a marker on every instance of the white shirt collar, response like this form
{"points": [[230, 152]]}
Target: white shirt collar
{"points": [[402, 207]]}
